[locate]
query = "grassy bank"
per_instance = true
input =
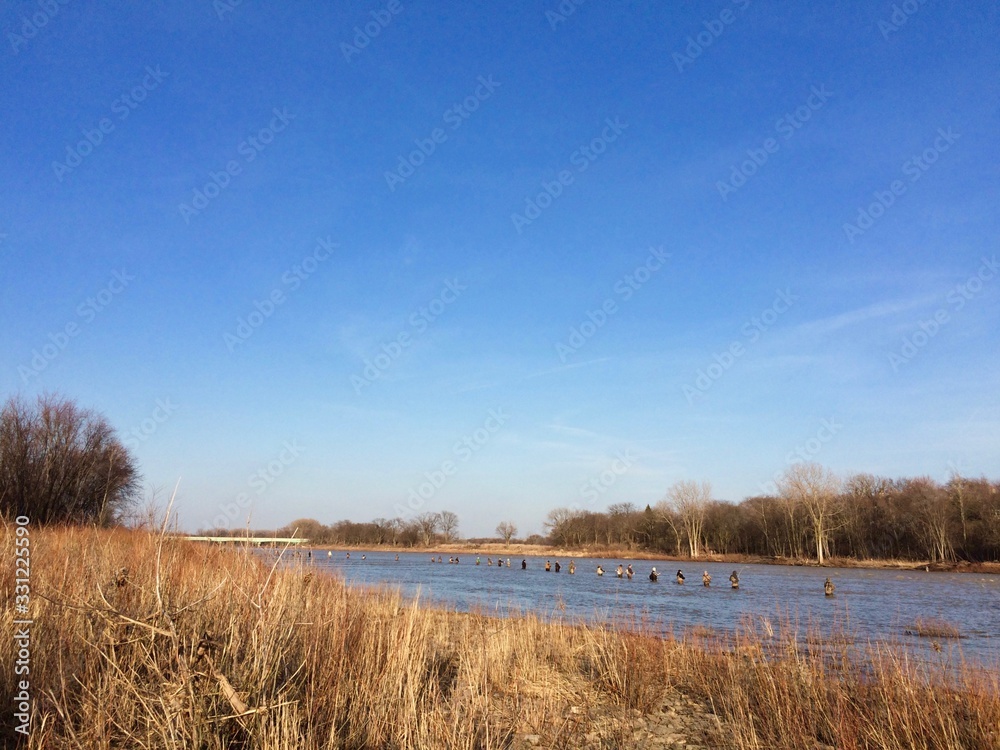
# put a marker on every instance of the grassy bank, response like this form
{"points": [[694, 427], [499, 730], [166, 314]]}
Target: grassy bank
{"points": [[195, 646]]}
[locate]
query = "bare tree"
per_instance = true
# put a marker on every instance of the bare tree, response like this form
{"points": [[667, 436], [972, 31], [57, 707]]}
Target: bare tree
{"points": [[623, 519], [558, 523], [865, 497], [722, 527], [793, 525], [690, 500], [304, 528], [930, 503], [506, 530], [63, 464], [395, 527], [448, 523], [665, 513], [814, 488], [760, 512], [382, 528], [409, 533], [957, 489], [427, 525]]}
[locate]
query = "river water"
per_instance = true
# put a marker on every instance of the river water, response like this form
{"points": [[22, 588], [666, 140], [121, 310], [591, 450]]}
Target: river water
{"points": [[867, 606]]}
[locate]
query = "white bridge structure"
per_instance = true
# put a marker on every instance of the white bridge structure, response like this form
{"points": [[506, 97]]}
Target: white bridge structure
{"points": [[257, 541]]}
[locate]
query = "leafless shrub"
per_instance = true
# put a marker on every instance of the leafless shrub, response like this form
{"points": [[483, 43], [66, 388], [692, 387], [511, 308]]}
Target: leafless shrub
{"points": [[63, 464]]}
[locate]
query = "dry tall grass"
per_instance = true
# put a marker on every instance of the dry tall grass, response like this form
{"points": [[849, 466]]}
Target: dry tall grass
{"points": [[782, 692], [195, 646]]}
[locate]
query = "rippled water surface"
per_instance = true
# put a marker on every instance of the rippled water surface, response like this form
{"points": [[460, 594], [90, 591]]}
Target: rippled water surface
{"points": [[871, 605]]}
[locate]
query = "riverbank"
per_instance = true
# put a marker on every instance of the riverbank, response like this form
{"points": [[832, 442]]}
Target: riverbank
{"points": [[141, 641], [514, 550]]}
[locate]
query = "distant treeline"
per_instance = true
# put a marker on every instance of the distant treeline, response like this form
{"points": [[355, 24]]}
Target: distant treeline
{"points": [[869, 518], [421, 531], [813, 515]]}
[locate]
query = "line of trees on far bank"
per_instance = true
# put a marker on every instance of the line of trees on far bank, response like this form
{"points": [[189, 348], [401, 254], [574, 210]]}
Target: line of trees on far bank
{"points": [[813, 515], [423, 530]]}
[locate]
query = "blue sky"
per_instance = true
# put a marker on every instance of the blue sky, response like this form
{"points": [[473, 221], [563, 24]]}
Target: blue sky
{"points": [[311, 261]]}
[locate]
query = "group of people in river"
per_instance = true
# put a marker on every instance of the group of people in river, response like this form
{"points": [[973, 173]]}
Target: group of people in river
{"points": [[621, 572], [706, 578]]}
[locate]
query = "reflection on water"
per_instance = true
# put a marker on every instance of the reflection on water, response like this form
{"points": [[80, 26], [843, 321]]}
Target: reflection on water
{"points": [[869, 605]]}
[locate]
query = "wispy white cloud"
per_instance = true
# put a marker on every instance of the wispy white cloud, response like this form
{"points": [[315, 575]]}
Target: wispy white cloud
{"points": [[351, 410], [576, 431], [781, 361], [833, 323], [486, 384], [478, 386], [563, 368]]}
